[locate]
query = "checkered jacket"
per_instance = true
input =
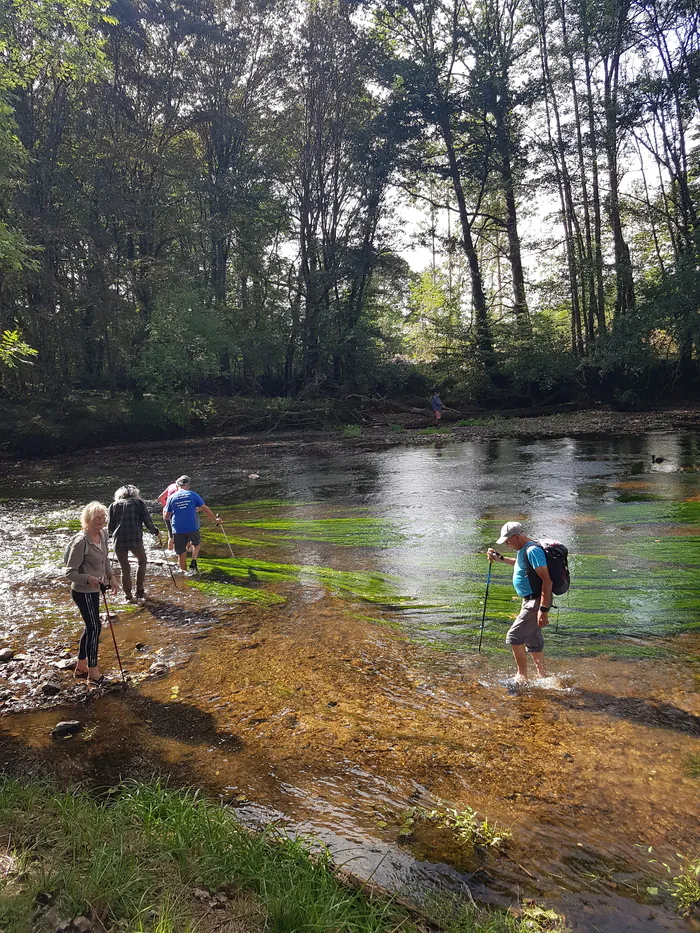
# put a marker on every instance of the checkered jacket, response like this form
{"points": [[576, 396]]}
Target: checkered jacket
{"points": [[126, 520]]}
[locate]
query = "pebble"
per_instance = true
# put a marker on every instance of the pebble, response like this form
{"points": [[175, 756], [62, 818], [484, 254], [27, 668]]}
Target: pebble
{"points": [[69, 727], [158, 667], [68, 664], [253, 476], [7, 654]]}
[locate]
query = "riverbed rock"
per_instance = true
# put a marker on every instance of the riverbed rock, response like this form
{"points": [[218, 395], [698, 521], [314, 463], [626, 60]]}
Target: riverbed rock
{"points": [[7, 654], [67, 664], [158, 668], [67, 727], [50, 689], [76, 925]]}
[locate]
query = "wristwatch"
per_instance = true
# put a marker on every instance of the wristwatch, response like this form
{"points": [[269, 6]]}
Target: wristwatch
{"points": [[545, 608]]}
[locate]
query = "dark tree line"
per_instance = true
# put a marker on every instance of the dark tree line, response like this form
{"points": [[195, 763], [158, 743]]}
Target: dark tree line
{"points": [[206, 194]]}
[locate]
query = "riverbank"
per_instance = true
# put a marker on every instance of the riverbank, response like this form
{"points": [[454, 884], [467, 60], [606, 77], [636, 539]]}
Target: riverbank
{"points": [[93, 419], [143, 857]]}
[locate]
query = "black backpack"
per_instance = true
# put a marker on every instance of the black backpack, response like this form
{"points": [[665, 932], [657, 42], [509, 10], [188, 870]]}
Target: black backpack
{"points": [[558, 565]]}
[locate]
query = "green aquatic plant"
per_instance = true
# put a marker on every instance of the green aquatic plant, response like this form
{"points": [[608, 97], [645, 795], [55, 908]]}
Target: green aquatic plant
{"points": [[434, 430], [467, 828], [358, 531], [259, 505], [230, 592], [366, 586], [684, 885], [351, 430], [692, 766]]}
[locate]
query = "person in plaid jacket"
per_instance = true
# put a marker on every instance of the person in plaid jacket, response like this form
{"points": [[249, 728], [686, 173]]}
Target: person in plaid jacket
{"points": [[127, 517]]}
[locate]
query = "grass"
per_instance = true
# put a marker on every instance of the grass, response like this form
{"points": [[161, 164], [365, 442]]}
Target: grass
{"points": [[148, 859], [352, 430], [434, 431]]}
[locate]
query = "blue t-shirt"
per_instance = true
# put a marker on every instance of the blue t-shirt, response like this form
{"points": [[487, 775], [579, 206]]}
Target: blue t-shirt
{"points": [[183, 504], [535, 558], [436, 403]]}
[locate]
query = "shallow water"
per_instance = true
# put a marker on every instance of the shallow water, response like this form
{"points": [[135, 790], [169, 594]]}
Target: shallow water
{"points": [[329, 674]]}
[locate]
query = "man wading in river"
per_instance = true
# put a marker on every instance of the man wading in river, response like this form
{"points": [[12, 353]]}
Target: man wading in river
{"points": [[182, 507], [532, 582]]}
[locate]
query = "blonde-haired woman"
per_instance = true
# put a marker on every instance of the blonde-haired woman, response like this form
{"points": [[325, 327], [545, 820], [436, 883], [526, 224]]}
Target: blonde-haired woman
{"points": [[87, 568]]}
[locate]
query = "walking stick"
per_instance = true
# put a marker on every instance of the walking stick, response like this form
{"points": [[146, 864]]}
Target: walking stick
{"points": [[223, 531], [165, 558], [483, 616], [103, 587]]}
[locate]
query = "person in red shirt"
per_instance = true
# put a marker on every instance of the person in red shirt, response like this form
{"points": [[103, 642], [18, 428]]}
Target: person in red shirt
{"points": [[163, 498]]}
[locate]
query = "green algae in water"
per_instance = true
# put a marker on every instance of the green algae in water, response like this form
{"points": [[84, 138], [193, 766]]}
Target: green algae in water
{"points": [[263, 504], [357, 531], [362, 585], [231, 592], [692, 767]]}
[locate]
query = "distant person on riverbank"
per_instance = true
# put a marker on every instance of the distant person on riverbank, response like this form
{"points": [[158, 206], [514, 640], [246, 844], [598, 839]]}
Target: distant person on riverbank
{"points": [[533, 584], [163, 499], [88, 566], [437, 406], [182, 508], [127, 516]]}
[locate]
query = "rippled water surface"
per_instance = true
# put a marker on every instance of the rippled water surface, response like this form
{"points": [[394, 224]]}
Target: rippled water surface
{"points": [[328, 674]]}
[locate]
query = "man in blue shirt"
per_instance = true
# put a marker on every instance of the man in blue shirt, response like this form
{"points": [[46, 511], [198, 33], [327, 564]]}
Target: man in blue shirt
{"points": [[532, 582], [182, 508]]}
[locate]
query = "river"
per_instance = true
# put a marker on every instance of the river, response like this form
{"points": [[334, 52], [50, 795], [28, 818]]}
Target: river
{"points": [[327, 676]]}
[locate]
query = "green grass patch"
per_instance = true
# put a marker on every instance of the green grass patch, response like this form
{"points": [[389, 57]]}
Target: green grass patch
{"points": [[434, 431], [147, 859], [351, 430]]}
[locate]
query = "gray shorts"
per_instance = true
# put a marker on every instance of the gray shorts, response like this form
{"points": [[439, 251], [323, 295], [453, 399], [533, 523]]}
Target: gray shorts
{"points": [[525, 630], [181, 539]]}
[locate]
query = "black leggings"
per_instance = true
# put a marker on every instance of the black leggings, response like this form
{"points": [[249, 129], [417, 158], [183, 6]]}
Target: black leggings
{"points": [[89, 605]]}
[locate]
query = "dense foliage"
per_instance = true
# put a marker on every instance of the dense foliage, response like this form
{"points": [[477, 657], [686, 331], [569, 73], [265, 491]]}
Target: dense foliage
{"points": [[216, 196]]}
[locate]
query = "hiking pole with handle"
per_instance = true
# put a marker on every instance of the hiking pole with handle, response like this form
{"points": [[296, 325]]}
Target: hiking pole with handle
{"points": [[103, 587], [223, 532], [165, 558], [483, 616]]}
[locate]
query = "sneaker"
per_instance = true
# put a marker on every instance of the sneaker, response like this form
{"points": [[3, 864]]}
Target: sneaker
{"points": [[140, 595], [193, 565], [128, 597]]}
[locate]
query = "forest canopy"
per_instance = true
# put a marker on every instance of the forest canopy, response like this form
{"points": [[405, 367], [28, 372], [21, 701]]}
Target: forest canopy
{"points": [[222, 197]]}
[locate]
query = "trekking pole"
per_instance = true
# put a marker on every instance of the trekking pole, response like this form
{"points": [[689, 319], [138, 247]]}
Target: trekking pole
{"points": [[483, 616], [223, 532], [165, 558], [103, 587]]}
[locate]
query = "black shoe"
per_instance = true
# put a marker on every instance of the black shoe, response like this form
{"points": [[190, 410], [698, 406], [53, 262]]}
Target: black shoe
{"points": [[140, 594], [193, 565]]}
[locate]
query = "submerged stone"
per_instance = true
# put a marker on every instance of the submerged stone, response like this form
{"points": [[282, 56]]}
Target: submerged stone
{"points": [[67, 664], [7, 654], [69, 727], [50, 689]]}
